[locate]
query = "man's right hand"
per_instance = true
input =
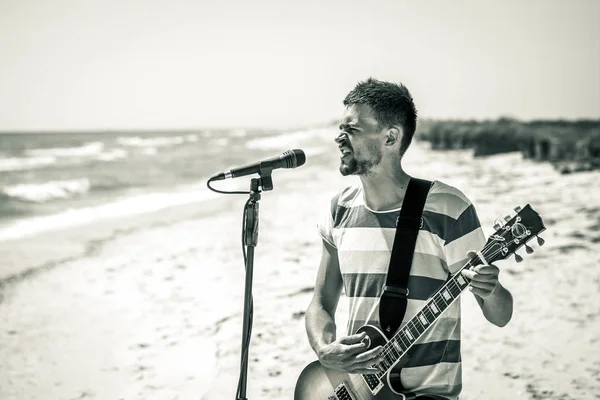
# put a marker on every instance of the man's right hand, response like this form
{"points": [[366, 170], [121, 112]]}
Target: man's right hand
{"points": [[349, 354]]}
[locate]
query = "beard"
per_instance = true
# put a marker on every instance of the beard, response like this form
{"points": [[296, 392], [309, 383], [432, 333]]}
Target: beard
{"points": [[360, 166]]}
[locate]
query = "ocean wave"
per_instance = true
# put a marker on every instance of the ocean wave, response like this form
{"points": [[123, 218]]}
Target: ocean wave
{"points": [[25, 163], [290, 139], [47, 191], [111, 155], [161, 141], [88, 149], [139, 204]]}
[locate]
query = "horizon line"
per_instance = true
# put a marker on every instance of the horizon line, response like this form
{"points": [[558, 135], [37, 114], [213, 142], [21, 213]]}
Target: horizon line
{"points": [[288, 128]]}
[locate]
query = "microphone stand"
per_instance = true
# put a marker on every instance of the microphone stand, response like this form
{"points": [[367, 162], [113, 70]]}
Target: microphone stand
{"points": [[250, 242]]}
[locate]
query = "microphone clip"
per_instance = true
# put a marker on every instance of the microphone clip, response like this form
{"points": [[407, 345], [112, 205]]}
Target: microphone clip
{"points": [[265, 170]]}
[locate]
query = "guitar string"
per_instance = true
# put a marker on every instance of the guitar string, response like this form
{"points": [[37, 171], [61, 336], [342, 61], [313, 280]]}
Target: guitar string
{"points": [[412, 326], [388, 349]]}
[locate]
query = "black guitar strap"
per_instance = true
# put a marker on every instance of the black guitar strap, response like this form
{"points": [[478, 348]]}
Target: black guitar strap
{"points": [[392, 306]]}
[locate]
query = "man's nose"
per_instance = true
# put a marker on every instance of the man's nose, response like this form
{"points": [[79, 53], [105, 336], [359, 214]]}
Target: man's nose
{"points": [[341, 137]]}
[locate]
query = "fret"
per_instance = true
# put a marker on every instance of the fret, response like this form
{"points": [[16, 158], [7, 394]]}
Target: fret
{"points": [[397, 346], [434, 308], [457, 284], [424, 321], [390, 350], [416, 320], [406, 339], [413, 329], [453, 288], [446, 296], [386, 362], [389, 362], [402, 343], [429, 314], [462, 282], [409, 335], [439, 302]]}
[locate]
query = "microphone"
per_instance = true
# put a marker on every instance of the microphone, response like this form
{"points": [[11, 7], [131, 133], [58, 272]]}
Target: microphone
{"points": [[289, 159]]}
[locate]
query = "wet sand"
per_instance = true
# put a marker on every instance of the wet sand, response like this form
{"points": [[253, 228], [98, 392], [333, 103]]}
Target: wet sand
{"points": [[153, 310]]}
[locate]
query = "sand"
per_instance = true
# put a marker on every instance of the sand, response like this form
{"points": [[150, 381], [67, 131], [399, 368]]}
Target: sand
{"points": [[150, 307]]}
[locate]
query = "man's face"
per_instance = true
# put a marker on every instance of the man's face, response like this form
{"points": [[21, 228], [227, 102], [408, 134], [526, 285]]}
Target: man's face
{"points": [[359, 141]]}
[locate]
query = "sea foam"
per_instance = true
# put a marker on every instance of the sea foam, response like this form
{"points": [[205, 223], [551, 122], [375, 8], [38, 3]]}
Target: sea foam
{"points": [[52, 190], [135, 205]]}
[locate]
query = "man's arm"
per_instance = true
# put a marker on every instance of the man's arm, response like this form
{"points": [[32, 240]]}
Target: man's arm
{"points": [[344, 354], [320, 316], [495, 300]]}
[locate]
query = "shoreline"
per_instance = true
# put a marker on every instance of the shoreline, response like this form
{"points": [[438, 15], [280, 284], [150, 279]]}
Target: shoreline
{"points": [[66, 244]]}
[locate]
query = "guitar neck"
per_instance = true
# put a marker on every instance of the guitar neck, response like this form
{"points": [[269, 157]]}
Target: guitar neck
{"points": [[406, 336]]}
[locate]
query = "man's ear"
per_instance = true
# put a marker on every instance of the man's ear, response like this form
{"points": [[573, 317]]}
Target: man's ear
{"points": [[393, 136]]}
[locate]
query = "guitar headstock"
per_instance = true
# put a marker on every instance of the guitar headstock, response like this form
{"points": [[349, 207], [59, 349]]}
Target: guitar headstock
{"points": [[513, 233]]}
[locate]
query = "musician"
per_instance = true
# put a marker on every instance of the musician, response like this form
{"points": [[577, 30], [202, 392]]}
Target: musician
{"points": [[375, 132]]}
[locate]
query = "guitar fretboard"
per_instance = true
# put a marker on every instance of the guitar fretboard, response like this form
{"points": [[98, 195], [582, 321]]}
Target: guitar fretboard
{"points": [[422, 320]]}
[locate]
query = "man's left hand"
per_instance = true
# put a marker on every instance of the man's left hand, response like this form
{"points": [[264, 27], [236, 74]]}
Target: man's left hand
{"points": [[484, 279]]}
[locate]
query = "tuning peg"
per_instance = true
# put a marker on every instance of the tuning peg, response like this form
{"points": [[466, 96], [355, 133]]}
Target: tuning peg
{"points": [[528, 249], [518, 209], [540, 240], [498, 223], [518, 258], [507, 218]]}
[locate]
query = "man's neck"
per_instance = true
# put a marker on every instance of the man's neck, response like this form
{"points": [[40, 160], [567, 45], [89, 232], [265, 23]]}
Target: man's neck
{"points": [[385, 189]]}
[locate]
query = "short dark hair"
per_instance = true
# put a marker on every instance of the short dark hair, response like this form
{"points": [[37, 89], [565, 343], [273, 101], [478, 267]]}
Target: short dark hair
{"points": [[391, 103]]}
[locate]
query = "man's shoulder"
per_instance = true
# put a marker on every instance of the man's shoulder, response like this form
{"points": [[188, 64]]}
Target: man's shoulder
{"points": [[347, 195], [448, 192], [447, 199]]}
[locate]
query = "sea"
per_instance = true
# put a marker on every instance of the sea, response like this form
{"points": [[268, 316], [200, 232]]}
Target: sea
{"points": [[55, 180]]}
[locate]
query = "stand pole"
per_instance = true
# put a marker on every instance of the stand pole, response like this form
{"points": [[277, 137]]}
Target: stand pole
{"points": [[250, 241], [246, 326]]}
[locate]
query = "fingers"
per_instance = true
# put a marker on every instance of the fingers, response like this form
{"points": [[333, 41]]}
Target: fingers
{"points": [[486, 286], [476, 276], [352, 339], [487, 269], [483, 293], [353, 344], [370, 355], [368, 362], [483, 279], [353, 349], [472, 254]]}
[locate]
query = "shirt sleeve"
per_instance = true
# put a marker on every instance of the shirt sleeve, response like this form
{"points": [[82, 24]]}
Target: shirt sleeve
{"points": [[325, 223], [464, 235]]}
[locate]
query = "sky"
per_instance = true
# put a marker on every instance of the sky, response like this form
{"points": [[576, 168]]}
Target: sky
{"points": [[188, 64]]}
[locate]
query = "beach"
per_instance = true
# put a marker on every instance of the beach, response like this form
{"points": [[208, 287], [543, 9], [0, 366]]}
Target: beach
{"points": [[149, 306]]}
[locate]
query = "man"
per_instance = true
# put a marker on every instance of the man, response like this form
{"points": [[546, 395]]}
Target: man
{"points": [[376, 130]]}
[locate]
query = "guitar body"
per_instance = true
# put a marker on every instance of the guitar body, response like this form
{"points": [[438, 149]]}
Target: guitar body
{"points": [[319, 383]]}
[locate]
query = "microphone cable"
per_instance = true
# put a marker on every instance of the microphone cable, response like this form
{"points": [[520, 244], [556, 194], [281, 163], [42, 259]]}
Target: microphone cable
{"points": [[221, 191]]}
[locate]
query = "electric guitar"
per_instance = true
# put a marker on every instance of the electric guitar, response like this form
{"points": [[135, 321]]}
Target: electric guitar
{"points": [[319, 383]]}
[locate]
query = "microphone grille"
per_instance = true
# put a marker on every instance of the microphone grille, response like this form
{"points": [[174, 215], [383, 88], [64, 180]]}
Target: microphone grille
{"points": [[296, 158]]}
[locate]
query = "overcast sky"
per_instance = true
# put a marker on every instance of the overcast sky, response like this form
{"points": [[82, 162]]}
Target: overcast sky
{"points": [[148, 64]]}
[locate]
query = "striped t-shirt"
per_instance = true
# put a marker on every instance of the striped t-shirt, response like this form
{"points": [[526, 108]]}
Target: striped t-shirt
{"points": [[364, 238]]}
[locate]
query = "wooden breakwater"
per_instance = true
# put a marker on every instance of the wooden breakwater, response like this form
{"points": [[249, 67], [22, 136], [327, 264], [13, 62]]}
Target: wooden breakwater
{"points": [[571, 146]]}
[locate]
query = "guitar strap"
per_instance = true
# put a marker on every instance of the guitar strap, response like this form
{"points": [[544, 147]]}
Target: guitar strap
{"points": [[392, 306]]}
